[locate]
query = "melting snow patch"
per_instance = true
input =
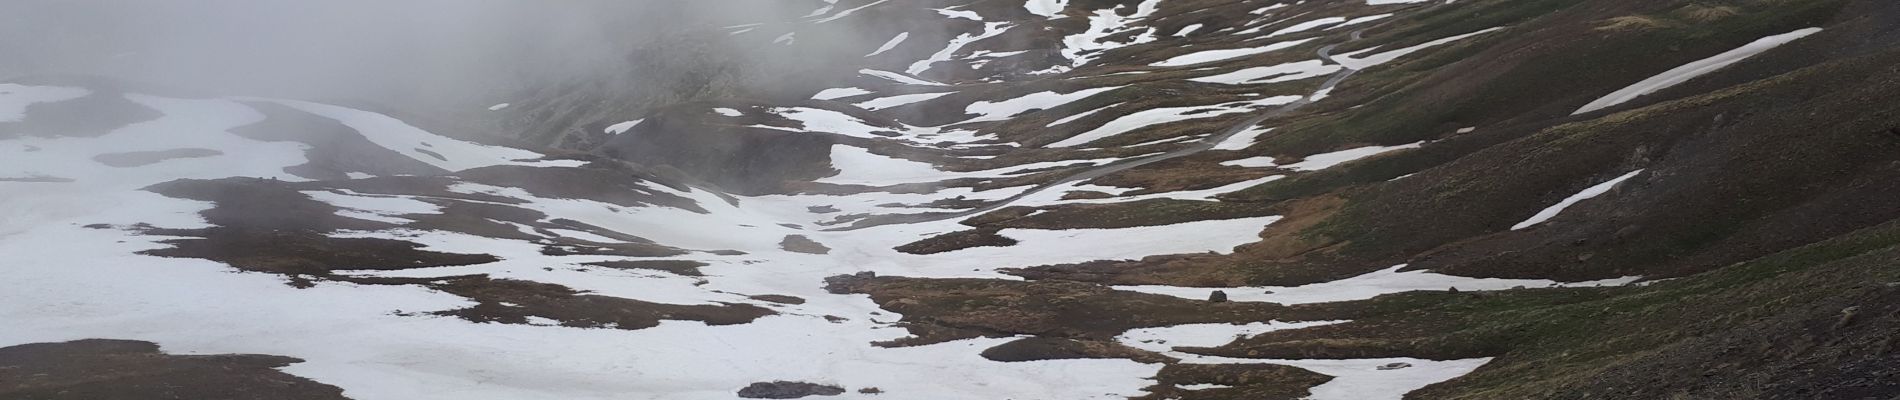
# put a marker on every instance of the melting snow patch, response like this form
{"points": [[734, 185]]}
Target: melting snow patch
{"points": [[1328, 160], [890, 44], [838, 93], [1351, 61], [1308, 25], [1243, 139], [1077, 116], [897, 77], [728, 112], [1154, 116], [15, 98], [898, 100], [1225, 54], [1051, 9], [442, 152], [1165, 339], [857, 166], [1385, 281], [1286, 72], [498, 107], [1366, 379], [1185, 30], [1255, 162], [1586, 194], [1692, 70], [1002, 110], [623, 127], [990, 29]]}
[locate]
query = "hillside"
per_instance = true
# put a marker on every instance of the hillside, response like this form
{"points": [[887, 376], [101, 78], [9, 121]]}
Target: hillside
{"points": [[1004, 199]]}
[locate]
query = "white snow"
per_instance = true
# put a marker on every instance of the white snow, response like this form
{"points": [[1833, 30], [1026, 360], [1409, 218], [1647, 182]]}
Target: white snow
{"points": [[1207, 56], [1686, 72], [1243, 139], [1352, 61], [990, 29], [1165, 339], [1328, 160], [728, 112], [1308, 25], [498, 107], [1251, 162], [898, 100], [1285, 72], [14, 99], [1361, 379], [1385, 281], [1080, 115], [857, 166], [623, 127], [1586, 194], [789, 38], [848, 12], [837, 93], [1185, 30], [897, 77], [959, 14], [1081, 48], [1155, 116], [1051, 9], [391, 133], [890, 44], [1004, 109]]}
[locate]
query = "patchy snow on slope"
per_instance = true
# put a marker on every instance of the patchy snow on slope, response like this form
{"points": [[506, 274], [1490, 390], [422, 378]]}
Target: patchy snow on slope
{"points": [[1051, 9], [828, 121], [986, 111], [1328, 160], [898, 100], [990, 29], [953, 12], [1586, 194], [498, 107], [1081, 115], [1156, 116], [1678, 75], [1166, 338], [1251, 162], [890, 44], [1308, 25], [1045, 247], [1243, 139], [1360, 20], [1286, 72], [1207, 56], [858, 166], [1363, 379], [1185, 30], [897, 77], [1353, 61], [14, 99], [373, 207], [624, 126], [1373, 284], [838, 93], [1081, 48], [429, 148], [848, 12], [728, 112]]}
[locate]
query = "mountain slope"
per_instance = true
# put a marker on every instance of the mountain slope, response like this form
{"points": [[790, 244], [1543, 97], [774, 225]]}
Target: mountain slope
{"points": [[1187, 199]]}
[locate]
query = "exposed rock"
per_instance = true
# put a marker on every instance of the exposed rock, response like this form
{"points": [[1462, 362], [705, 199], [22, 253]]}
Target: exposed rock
{"points": [[787, 390]]}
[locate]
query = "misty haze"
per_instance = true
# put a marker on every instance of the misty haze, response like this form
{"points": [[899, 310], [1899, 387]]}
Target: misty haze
{"points": [[949, 199]]}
